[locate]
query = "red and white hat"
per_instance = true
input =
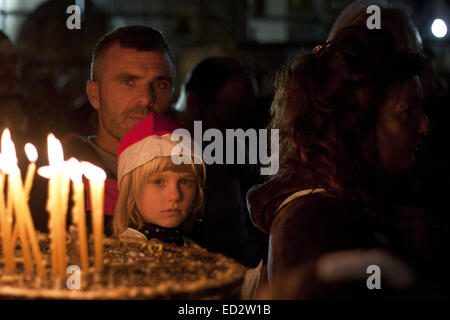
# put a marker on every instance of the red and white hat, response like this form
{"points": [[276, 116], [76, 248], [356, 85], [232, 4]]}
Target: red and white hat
{"points": [[149, 139]]}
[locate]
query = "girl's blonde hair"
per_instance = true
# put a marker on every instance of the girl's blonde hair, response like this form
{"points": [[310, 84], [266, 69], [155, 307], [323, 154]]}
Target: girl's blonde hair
{"points": [[127, 210]]}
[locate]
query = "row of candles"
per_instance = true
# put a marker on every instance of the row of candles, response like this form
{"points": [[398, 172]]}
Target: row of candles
{"points": [[15, 216]]}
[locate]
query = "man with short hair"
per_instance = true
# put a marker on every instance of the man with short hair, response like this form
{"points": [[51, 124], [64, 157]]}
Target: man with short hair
{"points": [[132, 74]]}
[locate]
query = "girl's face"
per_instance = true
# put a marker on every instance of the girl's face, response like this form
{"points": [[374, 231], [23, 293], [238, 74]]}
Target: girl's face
{"points": [[168, 198], [400, 129]]}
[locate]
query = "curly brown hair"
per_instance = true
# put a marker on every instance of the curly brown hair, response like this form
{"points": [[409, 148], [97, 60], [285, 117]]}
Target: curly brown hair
{"points": [[327, 102]]}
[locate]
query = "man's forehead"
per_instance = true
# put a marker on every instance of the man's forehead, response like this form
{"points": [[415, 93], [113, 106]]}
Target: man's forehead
{"points": [[118, 59]]}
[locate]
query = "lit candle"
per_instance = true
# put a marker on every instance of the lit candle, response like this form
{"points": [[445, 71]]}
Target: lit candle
{"points": [[57, 202], [64, 183], [96, 177], [22, 212], [7, 247], [9, 215], [50, 173], [10, 167], [78, 211], [32, 156]]}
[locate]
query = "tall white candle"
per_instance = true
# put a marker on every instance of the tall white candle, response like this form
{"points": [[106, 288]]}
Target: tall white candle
{"points": [[57, 203], [78, 211], [32, 156], [5, 223], [96, 177], [22, 213]]}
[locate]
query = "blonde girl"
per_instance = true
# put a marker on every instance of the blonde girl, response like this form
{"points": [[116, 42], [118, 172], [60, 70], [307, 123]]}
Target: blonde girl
{"points": [[157, 197]]}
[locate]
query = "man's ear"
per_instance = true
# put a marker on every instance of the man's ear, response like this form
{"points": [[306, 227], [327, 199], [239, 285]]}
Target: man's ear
{"points": [[92, 91]]}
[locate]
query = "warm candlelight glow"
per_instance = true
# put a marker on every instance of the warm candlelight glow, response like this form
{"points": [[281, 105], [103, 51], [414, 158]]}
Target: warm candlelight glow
{"points": [[18, 197], [9, 153], [46, 172], [6, 136], [15, 211], [6, 224], [93, 172], [32, 156], [55, 152], [11, 168], [31, 152], [74, 170], [57, 203]]}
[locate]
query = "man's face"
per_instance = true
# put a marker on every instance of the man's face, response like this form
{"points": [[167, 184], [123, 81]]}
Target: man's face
{"points": [[130, 85]]}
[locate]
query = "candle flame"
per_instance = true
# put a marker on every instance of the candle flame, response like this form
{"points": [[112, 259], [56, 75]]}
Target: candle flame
{"points": [[6, 135], [31, 152], [74, 170], [1, 162], [47, 172], [9, 158], [55, 152], [93, 172], [8, 149]]}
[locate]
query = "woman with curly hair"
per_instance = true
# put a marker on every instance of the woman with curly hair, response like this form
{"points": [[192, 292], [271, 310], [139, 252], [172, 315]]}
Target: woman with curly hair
{"points": [[350, 117]]}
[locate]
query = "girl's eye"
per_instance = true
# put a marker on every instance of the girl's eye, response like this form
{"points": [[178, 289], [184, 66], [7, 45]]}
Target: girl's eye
{"points": [[187, 182], [158, 182]]}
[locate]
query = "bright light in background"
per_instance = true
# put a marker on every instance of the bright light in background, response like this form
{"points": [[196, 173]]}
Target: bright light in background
{"points": [[439, 28], [80, 3], [2, 8], [14, 14]]}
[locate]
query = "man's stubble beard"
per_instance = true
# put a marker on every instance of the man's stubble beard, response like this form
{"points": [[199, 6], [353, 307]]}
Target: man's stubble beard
{"points": [[113, 122], [110, 120]]}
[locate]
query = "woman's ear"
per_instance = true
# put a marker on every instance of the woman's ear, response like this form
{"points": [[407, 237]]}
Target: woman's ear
{"points": [[92, 91]]}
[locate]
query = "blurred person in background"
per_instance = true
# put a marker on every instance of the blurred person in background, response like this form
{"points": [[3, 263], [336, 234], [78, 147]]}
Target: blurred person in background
{"points": [[350, 118], [221, 94]]}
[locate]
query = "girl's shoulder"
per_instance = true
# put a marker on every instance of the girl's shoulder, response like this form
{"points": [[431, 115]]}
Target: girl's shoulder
{"points": [[132, 233]]}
